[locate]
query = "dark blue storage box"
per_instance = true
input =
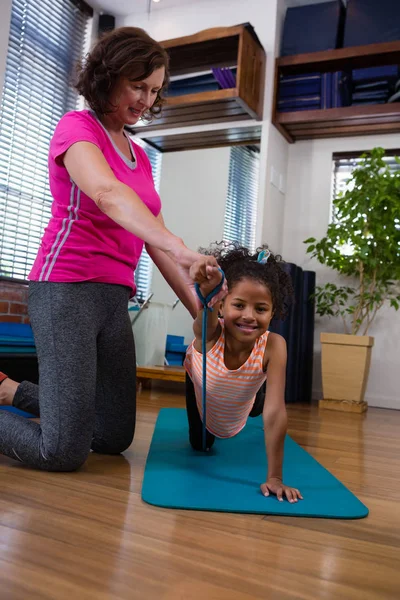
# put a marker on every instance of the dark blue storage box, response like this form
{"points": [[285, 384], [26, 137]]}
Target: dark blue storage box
{"points": [[332, 90], [372, 22], [313, 28], [175, 350], [374, 85]]}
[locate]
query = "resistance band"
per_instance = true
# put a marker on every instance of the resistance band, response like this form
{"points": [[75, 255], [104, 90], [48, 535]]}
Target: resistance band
{"points": [[205, 301]]}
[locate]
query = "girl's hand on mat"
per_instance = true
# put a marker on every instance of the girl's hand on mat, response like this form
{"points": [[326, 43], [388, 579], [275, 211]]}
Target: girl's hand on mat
{"points": [[275, 486]]}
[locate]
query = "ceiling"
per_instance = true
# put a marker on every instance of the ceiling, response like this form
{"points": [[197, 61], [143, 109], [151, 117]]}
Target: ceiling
{"points": [[129, 7]]}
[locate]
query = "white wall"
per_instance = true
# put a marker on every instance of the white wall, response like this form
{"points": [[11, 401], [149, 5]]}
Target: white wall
{"points": [[274, 208], [5, 18], [266, 17], [273, 157], [193, 191], [195, 16], [307, 211]]}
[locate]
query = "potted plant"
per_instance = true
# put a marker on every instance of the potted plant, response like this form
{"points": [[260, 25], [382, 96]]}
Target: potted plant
{"points": [[363, 245]]}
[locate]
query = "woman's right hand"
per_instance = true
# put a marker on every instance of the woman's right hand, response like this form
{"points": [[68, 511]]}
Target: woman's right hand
{"points": [[209, 282], [199, 268], [185, 258], [208, 277]]}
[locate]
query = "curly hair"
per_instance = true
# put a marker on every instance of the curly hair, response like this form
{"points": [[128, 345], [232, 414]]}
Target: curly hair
{"points": [[124, 52], [238, 263]]}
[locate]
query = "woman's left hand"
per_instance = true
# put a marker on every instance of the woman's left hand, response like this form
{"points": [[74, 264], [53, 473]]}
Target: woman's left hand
{"points": [[275, 486]]}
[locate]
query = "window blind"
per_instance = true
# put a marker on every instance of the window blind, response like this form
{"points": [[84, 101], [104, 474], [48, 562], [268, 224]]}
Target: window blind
{"points": [[46, 40], [144, 269], [241, 201], [342, 169]]}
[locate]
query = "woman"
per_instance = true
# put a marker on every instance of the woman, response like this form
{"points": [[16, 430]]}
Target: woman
{"points": [[104, 208]]}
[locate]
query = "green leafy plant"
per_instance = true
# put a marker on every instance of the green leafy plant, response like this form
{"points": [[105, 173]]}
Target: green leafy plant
{"points": [[362, 243]]}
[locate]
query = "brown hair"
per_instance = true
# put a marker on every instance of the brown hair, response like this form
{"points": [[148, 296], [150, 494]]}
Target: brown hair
{"points": [[124, 52]]}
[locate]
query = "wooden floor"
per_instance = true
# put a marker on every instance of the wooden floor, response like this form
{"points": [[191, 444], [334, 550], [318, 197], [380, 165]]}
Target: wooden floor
{"points": [[88, 534]]}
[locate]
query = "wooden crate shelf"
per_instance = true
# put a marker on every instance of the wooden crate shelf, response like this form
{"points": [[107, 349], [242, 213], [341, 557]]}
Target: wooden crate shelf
{"points": [[355, 57], [233, 136], [219, 47], [339, 122], [347, 120], [214, 107]]}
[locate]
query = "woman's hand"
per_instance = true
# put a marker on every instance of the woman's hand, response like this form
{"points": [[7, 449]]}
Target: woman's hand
{"points": [[207, 275], [201, 269], [275, 486], [185, 258]]}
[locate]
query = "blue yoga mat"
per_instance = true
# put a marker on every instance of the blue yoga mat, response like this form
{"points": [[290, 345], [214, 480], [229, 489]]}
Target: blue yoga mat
{"points": [[16, 411], [227, 478]]}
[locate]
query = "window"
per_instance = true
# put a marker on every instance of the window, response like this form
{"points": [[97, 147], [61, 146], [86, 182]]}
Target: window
{"points": [[144, 269], [241, 201], [343, 165], [46, 40]]}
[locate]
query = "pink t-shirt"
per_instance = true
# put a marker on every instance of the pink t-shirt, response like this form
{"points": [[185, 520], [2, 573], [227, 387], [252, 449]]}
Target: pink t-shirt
{"points": [[81, 243]]}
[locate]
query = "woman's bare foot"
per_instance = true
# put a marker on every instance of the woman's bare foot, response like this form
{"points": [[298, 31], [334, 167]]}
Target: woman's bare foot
{"points": [[8, 387]]}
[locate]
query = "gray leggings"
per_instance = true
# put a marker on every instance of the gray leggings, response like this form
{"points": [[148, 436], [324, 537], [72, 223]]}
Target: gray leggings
{"points": [[86, 396]]}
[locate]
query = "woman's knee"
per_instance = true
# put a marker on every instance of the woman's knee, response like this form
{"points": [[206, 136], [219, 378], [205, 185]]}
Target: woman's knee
{"points": [[116, 445], [64, 461]]}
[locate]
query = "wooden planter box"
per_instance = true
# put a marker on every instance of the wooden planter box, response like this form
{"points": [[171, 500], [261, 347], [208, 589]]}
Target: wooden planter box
{"points": [[345, 368]]}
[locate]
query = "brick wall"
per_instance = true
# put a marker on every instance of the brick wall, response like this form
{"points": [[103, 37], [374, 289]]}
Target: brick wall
{"points": [[13, 302]]}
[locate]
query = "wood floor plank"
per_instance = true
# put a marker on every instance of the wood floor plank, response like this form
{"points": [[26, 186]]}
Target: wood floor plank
{"points": [[88, 535]]}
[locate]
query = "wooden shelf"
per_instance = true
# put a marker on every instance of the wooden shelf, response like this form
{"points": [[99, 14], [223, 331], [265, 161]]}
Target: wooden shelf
{"points": [[345, 121], [339, 122], [233, 136], [356, 57], [216, 47], [219, 47], [200, 109]]}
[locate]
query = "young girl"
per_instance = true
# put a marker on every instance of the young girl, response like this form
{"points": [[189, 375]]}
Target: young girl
{"points": [[241, 352]]}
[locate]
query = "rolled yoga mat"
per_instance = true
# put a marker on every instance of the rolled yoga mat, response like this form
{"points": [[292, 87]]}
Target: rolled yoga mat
{"points": [[17, 411], [228, 477]]}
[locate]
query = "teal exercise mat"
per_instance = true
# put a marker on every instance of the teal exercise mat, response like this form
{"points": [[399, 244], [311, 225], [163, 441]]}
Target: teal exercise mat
{"points": [[228, 478]]}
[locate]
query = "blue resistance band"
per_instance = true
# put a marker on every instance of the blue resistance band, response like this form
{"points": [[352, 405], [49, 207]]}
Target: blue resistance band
{"points": [[205, 301]]}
